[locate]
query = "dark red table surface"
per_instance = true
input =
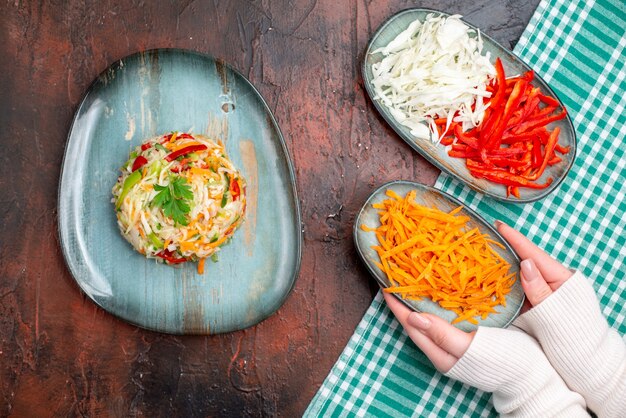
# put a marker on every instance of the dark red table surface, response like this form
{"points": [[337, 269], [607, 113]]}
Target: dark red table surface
{"points": [[60, 355]]}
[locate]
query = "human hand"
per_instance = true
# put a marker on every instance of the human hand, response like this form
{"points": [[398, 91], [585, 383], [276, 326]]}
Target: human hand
{"points": [[507, 362], [442, 343], [541, 274], [571, 328]]}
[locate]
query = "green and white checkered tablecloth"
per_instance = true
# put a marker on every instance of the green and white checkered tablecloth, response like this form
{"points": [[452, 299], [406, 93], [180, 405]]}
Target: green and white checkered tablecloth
{"points": [[578, 48]]}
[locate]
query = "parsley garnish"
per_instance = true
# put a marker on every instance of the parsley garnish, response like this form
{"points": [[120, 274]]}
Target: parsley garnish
{"points": [[174, 199]]}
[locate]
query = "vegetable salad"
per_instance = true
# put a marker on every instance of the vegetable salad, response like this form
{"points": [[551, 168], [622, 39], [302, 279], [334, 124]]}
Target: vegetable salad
{"points": [[179, 198]]}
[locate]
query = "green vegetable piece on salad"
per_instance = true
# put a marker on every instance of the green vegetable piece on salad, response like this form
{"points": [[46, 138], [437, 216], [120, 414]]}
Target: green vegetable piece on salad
{"points": [[128, 184], [155, 240], [174, 199]]}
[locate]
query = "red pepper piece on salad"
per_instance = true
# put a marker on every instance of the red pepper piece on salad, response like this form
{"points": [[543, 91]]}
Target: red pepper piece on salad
{"points": [[184, 151], [235, 191], [139, 162], [168, 256], [183, 166], [169, 138]]}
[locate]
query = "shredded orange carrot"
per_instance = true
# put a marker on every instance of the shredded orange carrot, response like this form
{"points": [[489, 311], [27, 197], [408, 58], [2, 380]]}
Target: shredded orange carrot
{"points": [[202, 171], [428, 253], [187, 245], [218, 242], [201, 266]]}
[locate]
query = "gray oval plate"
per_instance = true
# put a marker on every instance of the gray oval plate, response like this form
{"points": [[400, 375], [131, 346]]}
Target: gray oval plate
{"points": [[437, 154], [429, 196], [155, 92]]}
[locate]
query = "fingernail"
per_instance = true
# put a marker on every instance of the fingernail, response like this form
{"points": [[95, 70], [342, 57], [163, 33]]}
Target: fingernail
{"points": [[529, 270], [497, 223], [418, 321]]}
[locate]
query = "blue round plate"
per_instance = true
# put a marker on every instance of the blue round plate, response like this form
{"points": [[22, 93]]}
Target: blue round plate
{"points": [[429, 196], [438, 154], [152, 93]]}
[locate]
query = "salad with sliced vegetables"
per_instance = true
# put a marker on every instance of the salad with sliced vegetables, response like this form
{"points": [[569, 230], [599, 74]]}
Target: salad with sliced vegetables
{"points": [[179, 198]]}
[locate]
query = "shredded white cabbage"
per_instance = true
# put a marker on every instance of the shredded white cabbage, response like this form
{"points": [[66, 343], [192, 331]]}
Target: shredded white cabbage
{"points": [[434, 69]]}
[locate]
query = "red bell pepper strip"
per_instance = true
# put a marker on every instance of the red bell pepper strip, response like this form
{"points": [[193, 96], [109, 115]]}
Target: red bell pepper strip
{"points": [[184, 151], [461, 147], [465, 138], [463, 154], [543, 135], [515, 118], [530, 104], [539, 113], [168, 256], [506, 152], [560, 148], [536, 152], [139, 162], [500, 83], [503, 152], [146, 146], [185, 135], [508, 179], [504, 162], [234, 189], [550, 101], [549, 149], [509, 138], [531, 124], [493, 141], [446, 140], [495, 102]]}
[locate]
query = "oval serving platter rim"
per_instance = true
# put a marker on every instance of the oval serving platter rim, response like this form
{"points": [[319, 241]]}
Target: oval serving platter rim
{"points": [[395, 126], [63, 242], [425, 188]]}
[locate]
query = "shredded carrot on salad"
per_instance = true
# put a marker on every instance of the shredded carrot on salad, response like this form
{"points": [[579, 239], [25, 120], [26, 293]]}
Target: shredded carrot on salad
{"points": [[428, 253]]}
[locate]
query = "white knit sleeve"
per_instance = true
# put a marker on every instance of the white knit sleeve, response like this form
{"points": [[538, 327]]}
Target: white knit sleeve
{"points": [[590, 356], [510, 364]]}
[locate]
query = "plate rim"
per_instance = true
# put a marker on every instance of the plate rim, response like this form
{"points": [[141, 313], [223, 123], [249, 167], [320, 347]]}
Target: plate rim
{"points": [[424, 187], [289, 160], [394, 124]]}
